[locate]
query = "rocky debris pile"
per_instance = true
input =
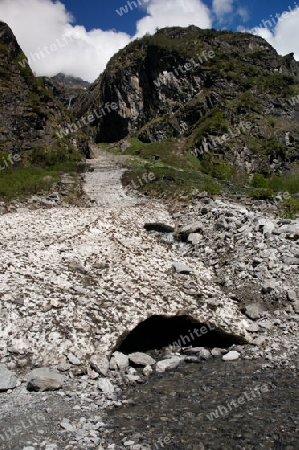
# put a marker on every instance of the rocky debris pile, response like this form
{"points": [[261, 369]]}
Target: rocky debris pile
{"points": [[76, 280], [255, 261], [244, 247]]}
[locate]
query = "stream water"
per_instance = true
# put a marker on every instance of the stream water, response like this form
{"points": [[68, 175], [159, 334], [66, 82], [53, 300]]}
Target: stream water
{"points": [[254, 407]]}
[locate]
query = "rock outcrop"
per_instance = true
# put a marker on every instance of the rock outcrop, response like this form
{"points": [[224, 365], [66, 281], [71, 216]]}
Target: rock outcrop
{"points": [[30, 116], [204, 86]]}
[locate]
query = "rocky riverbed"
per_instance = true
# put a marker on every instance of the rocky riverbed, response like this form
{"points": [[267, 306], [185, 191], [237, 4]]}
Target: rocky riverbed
{"points": [[121, 275]]}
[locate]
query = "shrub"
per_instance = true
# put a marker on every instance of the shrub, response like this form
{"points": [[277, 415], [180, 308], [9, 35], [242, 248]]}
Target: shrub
{"points": [[290, 208], [262, 194], [259, 181]]}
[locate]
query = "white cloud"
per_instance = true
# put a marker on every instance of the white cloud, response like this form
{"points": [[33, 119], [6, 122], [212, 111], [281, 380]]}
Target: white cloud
{"points": [[222, 7], [166, 13], [243, 13], [284, 35], [39, 23]]}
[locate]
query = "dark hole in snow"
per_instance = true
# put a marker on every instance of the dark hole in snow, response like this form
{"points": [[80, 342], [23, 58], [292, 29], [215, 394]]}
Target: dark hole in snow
{"points": [[157, 332]]}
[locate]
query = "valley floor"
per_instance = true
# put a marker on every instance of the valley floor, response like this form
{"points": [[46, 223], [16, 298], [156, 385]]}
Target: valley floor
{"points": [[74, 281]]}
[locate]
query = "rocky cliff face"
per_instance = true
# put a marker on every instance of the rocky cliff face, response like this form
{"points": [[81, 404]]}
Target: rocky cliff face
{"points": [[29, 114], [66, 88], [203, 86]]}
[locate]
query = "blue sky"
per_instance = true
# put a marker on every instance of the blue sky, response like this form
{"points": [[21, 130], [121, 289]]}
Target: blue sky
{"points": [[102, 14], [93, 31]]}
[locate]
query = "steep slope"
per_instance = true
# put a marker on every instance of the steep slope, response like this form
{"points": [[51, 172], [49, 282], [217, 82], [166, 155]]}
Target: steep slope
{"points": [[29, 115], [228, 94]]}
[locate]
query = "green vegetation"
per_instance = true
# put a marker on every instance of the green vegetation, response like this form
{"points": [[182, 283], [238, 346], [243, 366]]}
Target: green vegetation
{"points": [[290, 207], [44, 157], [259, 181], [37, 172], [176, 173], [22, 182]]}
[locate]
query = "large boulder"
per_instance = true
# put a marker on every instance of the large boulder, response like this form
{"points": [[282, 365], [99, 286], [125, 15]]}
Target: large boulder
{"points": [[44, 379], [8, 379]]}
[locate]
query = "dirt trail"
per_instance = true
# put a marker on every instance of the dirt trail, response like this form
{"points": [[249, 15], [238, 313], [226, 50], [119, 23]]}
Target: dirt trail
{"points": [[103, 180]]}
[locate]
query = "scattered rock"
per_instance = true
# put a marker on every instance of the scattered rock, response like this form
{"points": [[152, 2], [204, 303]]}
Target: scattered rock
{"points": [[100, 364], [181, 268], [147, 371], [66, 425], [73, 359], [268, 286], [194, 238], [254, 311], [292, 296], [216, 352], [168, 364], [204, 354], [141, 359], [253, 328], [290, 261], [231, 356], [121, 360], [105, 385]]}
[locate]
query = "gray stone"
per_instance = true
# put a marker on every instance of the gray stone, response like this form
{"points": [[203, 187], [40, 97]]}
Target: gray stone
{"points": [[147, 371], [231, 356], [44, 379], [290, 261], [121, 360], [100, 364], [296, 306], [66, 425], [292, 296], [259, 341], [194, 238], [204, 354], [265, 225], [141, 359], [195, 227], [181, 268], [253, 328], [73, 359], [167, 364], [8, 379], [268, 286], [132, 378], [292, 231], [63, 367], [105, 385], [216, 352], [192, 359], [192, 350], [266, 324], [254, 311], [113, 364]]}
